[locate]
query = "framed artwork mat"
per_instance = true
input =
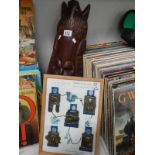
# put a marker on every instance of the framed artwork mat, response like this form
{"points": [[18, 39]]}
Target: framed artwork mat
{"points": [[71, 115]]}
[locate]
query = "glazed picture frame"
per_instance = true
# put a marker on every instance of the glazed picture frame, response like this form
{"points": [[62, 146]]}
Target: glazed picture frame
{"points": [[71, 115]]}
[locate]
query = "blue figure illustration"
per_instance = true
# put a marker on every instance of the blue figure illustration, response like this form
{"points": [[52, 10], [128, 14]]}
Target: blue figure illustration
{"points": [[53, 137], [54, 129], [87, 140], [54, 99], [55, 90], [72, 117], [89, 103], [90, 93]]}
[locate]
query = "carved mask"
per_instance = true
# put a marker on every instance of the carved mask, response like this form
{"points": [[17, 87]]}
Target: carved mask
{"points": [[70, 41]]}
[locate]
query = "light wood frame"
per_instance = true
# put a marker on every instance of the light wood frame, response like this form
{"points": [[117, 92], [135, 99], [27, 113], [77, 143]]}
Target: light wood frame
{"points": [[46, 76]]}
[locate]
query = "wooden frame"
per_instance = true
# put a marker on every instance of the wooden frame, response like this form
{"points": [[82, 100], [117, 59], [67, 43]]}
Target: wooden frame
{"points": [[100, 99]]}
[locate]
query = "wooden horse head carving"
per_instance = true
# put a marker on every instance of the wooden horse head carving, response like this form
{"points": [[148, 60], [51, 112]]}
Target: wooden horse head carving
{"points": [[70, 40]]}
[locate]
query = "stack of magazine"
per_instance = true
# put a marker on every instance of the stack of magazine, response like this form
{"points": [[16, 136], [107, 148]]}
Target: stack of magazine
{"points": [[30, 86], [27, 51], [115, 63]]}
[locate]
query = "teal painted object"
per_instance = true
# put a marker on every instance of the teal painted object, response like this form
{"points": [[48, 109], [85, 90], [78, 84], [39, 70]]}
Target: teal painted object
{"points": [[71, 97], [129, 20], [55, 120], [127, 27]]}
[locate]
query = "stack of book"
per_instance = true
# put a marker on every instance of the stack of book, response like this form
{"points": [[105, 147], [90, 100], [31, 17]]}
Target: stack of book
{"points": [[27, 52], [115, 63], [30, 86]]}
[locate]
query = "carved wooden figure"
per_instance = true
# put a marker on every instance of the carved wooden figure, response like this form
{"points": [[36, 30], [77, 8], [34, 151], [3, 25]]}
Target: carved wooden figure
{"points": [[70, 40]]}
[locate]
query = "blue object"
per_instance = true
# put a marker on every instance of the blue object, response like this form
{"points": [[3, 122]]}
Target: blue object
{"points": [[72, 125], [90, 93], [73, 107], [89, 113], [71, 97], [86, 149], [55, 90], [88, 130], [54, 129], [28, 68]]}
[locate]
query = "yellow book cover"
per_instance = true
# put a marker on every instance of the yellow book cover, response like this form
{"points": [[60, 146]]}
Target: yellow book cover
{"points": [[27, 52], [28, 117]]}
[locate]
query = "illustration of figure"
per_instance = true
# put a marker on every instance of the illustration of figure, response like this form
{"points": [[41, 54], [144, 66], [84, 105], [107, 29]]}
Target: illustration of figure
{"points": [[54, 99], [21, 51], [26, 54], [128, 143], [130, 127], [53, 137], [24, 114], [30, 29], [72, 117], [89, 103], [87, 140]]}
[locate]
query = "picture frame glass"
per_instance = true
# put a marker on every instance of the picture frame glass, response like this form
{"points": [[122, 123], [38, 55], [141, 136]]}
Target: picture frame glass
{"points": [[71, 113]]}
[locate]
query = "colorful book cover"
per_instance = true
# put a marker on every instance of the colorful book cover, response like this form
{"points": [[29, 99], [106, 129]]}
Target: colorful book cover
{"points": [[32, 79], [28, 117], [124, 119], [27, 81], [35, 75], [27, 53], [30, 67]]}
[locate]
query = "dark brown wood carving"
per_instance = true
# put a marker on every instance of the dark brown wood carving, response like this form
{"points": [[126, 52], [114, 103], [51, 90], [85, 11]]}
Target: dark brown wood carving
{"points": [[70, 40]]}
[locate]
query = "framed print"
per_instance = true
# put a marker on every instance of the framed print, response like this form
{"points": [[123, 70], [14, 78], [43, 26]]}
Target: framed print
{"points": [[71, 115]]}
